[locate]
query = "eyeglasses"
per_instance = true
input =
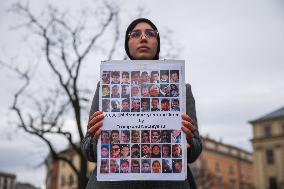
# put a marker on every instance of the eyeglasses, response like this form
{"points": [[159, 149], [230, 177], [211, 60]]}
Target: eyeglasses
{"points": [[115, 149], [149, 34]]}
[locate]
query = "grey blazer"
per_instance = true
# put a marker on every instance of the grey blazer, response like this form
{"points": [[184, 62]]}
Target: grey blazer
{"points": [[89, 148]]}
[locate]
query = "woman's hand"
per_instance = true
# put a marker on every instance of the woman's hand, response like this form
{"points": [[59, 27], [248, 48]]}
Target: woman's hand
{"points": [[95, 123], [188, 127]]}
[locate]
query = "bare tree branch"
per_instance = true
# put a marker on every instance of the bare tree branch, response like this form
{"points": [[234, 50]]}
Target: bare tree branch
{"points": [[116, 38], [64, 54], [30, 128]]}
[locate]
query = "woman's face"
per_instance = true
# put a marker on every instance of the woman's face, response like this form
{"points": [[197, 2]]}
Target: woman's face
{"points": [[143, 48]]}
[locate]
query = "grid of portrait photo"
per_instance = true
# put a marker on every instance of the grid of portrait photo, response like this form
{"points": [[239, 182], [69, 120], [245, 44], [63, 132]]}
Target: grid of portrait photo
{"points": [[140, 91], [141, 151]]}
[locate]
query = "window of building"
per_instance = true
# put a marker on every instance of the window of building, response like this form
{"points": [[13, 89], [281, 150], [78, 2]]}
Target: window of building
{"points": [[272, 183], [5, 185], [245, 186], [219, 183], [217, 167], [63, 164], [231, 170], [267, 131], [242, 173], [63, 180], [71, 180], [12, 183], [232, 184], [269, 156]]}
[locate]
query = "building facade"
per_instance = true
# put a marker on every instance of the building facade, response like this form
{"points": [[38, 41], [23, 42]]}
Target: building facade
{"points": [[59, 173], [223, 166], [7, 181], [20, 185], [268, 150]]}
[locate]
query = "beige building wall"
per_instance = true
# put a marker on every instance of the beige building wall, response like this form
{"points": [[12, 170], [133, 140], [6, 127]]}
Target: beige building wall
{"points": [[67, 179], [7, 181], [268, 135]]}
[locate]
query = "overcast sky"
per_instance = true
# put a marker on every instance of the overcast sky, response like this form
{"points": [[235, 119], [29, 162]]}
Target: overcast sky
{"points": [[234, 53]]}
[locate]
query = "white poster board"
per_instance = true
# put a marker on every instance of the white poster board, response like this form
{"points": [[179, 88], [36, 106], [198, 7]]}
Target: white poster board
{"points": [[142, 139]]}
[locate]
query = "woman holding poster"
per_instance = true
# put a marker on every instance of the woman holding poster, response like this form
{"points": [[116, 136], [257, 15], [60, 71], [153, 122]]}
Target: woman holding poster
{"points": [[142, 42]]}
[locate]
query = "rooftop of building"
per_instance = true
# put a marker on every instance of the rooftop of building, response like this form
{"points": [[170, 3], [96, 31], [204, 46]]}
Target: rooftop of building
{"points": [[226, 149], [20, 185], [279, 113], [5, 174]]}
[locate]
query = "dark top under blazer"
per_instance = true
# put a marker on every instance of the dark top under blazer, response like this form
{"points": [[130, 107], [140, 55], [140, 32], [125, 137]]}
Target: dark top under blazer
{"points": [[89, 148]]}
